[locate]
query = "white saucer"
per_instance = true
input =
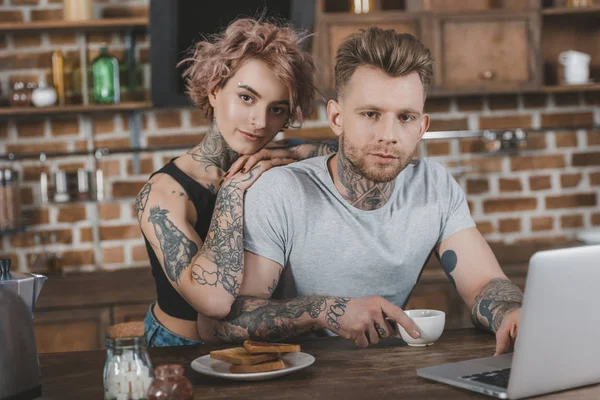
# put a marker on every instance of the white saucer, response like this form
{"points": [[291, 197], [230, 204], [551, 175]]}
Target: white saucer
{"points": [[590, 236], [293, 362]]}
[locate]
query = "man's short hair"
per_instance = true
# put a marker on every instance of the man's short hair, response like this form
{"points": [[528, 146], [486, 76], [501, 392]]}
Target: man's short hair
{"points": [[396, 54]]}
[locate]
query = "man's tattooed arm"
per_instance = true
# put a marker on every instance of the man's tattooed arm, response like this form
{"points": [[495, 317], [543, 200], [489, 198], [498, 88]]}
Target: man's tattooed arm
{"points": [[221, 260], [273, 320], [497, 298]]}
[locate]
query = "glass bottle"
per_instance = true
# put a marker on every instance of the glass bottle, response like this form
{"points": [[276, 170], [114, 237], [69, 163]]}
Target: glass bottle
{"points": [[362, 6], [128, 370], [170, 384], [58, 75], [105, 70]]}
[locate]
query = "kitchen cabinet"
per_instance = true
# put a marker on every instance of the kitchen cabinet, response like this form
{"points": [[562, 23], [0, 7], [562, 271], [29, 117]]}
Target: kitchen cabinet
{"points": [[333, 29], [480, 47], [482, 52]]}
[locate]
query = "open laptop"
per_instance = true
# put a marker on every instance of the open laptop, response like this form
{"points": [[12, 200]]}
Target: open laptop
{"points": [[558, 343]]}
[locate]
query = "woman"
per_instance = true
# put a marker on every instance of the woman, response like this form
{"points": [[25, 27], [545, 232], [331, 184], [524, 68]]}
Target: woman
{"points": [[252, 81]]}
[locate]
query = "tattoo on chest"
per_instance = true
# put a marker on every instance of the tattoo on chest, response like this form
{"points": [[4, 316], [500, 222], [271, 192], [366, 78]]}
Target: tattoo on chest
{"points": [[361, 192], [224, 242], [496, 299], [142, 200], [178, 250], [336, 311]]}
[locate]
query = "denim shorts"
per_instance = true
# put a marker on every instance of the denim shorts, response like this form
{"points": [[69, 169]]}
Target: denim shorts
{"points": [[159, 336]]}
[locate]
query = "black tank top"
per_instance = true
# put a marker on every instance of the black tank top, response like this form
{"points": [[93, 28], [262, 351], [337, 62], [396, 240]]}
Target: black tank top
{"points": [[169, 300]]}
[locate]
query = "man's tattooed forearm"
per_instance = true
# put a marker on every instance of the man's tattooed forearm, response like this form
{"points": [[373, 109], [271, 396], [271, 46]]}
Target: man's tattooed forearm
{"points": [[178, 250], [325, 148], [224, 244], [269, 320], [142, 200], [496, 299], [336, 310], [361, 192]]}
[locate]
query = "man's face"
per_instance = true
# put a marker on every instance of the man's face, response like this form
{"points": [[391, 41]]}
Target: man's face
{"points": [[380, 121]]}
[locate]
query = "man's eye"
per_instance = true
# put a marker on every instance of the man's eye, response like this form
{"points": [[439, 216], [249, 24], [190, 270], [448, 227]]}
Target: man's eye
{"points": [[245, 98], [371, 114], [406, 118]]}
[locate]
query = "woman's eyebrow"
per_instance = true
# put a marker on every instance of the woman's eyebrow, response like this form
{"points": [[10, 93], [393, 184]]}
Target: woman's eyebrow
{"points": [[254, 92], [250, 89]]}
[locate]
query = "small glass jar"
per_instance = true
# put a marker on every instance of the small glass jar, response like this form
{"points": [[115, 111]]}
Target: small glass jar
{"points": [[170, 384], [128, 370]]}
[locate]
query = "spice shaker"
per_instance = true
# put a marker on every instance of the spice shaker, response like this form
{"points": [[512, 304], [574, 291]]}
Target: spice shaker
{"points": [[128, 370], [170, 384]]}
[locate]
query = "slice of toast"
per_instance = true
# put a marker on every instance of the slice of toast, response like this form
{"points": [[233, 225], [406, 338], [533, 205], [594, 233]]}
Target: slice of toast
{"points": [[264, 347], [263, 367], [241, 356]]}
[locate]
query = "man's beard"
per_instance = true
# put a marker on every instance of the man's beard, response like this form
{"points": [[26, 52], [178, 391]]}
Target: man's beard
{"points": [[378, 173]]}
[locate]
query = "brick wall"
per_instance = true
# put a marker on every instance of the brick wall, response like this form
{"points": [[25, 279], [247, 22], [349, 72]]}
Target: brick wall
{"points": [[543, 194]]}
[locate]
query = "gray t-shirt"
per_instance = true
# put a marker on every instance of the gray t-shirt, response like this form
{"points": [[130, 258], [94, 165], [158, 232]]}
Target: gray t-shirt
{"points": [[295, 216]]}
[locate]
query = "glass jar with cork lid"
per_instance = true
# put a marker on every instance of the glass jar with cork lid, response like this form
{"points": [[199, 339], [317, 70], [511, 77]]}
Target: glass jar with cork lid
{"points": [[128, 370]]}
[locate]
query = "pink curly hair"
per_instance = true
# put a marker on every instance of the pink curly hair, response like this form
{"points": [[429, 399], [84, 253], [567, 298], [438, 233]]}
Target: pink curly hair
{"points": [[215, 61]]}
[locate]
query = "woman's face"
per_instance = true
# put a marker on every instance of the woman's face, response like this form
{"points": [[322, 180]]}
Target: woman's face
{"points": [[251, 108]]}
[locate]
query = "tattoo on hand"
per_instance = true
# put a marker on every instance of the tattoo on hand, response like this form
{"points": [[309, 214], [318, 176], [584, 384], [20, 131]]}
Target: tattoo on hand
{"points": [[142, 200], [336, 310], [251, 173], [178, 250], [497, 298], [380, 331]]}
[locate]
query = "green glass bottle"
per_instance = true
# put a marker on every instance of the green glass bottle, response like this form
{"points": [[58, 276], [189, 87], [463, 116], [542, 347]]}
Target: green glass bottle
{"points": [[105, 69]]}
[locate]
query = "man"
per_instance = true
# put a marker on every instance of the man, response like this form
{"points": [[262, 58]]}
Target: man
{"points": [[343, 238]]}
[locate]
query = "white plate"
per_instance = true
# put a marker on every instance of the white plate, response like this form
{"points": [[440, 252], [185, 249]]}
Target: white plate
{"points": [[293, 362]]}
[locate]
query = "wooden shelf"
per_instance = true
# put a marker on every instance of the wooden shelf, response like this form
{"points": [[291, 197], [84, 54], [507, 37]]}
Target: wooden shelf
{"points": [[7, 112], [95, 24], [591, 87], [571, 10]]}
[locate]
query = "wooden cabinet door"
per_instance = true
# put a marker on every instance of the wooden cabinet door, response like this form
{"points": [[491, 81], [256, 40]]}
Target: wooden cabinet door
{"points": [[332, 30], [71, 330], [490, 52]]}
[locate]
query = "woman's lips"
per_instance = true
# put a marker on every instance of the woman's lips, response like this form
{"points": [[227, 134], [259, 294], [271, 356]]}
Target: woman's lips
{"points": [[250, 136]]}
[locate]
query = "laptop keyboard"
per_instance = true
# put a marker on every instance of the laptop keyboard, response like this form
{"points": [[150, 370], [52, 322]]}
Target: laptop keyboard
{"points": [[497, 378]]}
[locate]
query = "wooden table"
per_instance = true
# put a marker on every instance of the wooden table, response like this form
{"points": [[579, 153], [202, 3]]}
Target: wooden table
{"points": [[341, 371]]}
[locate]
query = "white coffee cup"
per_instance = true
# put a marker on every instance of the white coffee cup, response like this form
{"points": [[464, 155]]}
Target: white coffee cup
{"points": [[576, 65], [430, 324]]}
